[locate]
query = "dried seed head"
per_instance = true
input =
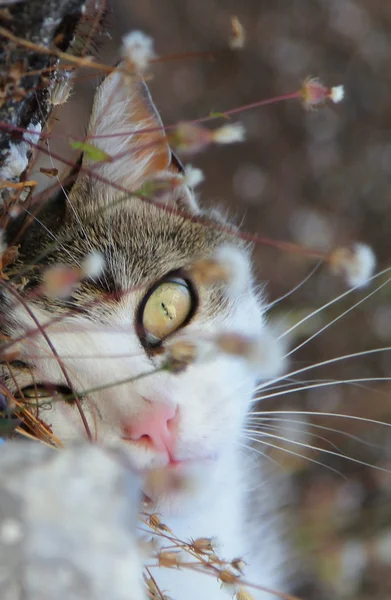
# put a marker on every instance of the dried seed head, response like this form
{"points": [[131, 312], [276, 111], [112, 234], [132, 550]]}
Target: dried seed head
{"points": [[59, 281], [193, 176], [49, 171], [227, 265], [315, 94], [154, 521], [163, 481], [204, 545], [153, 590], [238, 35], [236, 266], [228, 134], [209, 271], [190, 138], [180, 354], [238, 564], [263, 353], [169, 559], [137, 47], [243, 594], [357, 264], [227, 577], [93, 264], [62, 88]]}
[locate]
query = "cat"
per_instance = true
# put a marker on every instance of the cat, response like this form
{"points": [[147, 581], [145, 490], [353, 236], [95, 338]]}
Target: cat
{"points": [[112, 326]]}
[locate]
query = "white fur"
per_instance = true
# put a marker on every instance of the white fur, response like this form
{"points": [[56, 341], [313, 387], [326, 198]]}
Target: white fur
{"points": [[117, 94], [213, 400]]}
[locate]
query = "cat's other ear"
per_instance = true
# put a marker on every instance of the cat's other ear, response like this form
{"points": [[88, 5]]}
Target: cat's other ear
{"points": [[126, 126]]}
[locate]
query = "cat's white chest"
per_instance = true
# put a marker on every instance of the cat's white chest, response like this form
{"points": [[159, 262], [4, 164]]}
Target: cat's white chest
{"points": [[223, 519]]}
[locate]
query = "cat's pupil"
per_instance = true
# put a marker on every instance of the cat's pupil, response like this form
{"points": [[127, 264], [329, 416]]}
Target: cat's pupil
{"points": [[165, 309]]}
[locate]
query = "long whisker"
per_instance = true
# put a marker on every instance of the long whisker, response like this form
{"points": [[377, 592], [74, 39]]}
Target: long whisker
{"points": [[330, 361], [35, 218], [323, 414], [337, 299], [260, 421], [298, 455], [266, 426], [318, 449], [336, 319], [259, 481], [308, 383], [323, 384], [295, 289]]}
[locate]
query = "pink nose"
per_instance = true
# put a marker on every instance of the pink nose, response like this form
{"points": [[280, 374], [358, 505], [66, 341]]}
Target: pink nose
{"points": [[154, 425]]}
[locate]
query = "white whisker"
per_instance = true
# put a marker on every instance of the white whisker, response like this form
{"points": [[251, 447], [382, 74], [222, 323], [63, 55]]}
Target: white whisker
{"points": [[295, 289], [337, 299], [318, 449], [298, 455], [322, 414], [265, 426], [260, 420], [336, 319], [52, 236], [330, 361]]}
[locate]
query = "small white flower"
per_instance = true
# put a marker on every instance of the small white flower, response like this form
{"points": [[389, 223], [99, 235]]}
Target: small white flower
{"points": [[357, 264], [138, 48], [238, 36], [337, 94], [236, 266], [93, 264], [228, 134], [267, 355], [193, 176], [264, 353]]}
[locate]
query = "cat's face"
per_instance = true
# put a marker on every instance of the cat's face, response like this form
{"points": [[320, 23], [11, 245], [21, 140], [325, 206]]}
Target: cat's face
{"points": [[110, 332]]}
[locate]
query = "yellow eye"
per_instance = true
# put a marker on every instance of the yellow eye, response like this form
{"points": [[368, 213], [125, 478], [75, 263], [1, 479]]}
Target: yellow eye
{"points": [[167, 308], [37, 392]]}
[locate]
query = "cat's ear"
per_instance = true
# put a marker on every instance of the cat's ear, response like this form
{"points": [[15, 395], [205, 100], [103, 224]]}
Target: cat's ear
{"points": [[126, 126]]}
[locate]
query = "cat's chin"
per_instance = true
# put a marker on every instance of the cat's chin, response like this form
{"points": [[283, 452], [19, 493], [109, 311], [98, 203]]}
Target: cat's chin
{"points": [[179, 488]]}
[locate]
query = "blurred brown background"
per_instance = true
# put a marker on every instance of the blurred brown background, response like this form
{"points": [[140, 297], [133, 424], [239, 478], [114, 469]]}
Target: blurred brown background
{"points": [[320, 178]]}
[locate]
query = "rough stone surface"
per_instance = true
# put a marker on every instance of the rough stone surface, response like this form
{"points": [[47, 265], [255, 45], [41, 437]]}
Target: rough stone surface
{"points": [[24, 100], [67, 524]]}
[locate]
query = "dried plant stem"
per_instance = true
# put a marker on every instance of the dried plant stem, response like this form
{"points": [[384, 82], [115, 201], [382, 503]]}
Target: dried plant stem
{"points": [[75, 60]]}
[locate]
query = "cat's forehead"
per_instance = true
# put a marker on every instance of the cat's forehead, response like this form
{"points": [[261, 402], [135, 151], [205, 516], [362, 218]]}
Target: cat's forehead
{"points": [[141, 243]]}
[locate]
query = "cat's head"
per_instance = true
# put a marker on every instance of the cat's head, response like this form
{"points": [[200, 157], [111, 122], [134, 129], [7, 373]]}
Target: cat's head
{"points": [[111, 330]]}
